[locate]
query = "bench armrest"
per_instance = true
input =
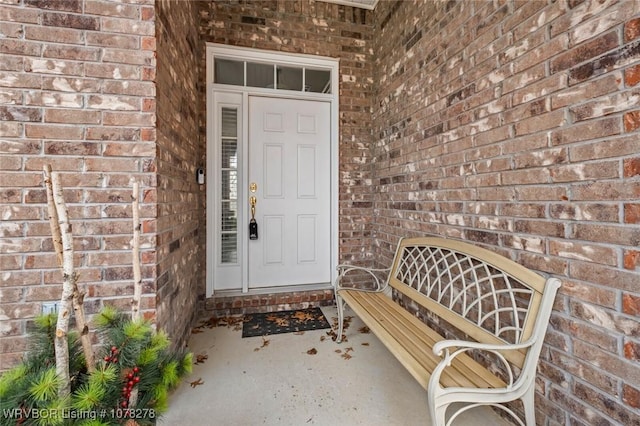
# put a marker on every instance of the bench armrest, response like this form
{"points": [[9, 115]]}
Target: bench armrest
{"points": [[442, 349], [444, 345], [380, 285]]}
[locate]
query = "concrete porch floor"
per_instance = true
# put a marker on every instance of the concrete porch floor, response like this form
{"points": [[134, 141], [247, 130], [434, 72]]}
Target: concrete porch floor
{"points": [[279, 380]]}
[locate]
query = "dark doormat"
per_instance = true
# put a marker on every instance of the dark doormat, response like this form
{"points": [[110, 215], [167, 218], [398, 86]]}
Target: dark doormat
{"points": [[284, 322]]}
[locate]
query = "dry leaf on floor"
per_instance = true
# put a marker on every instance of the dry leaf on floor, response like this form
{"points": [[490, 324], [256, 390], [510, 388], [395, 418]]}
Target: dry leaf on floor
{"points": [[201, 358], [228, 321], [345, 323], [364, 330], [323, 338], [265, 342], [334, 336], [346, 355], [338, 351], [312, 351], [197, 383], [365, 344]]}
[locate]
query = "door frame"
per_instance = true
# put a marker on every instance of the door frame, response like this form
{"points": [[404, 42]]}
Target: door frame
{"points": [[214, 90]]}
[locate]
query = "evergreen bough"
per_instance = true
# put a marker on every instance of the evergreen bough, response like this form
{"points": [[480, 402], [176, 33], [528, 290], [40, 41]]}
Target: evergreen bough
{"points": [[129, 386]]}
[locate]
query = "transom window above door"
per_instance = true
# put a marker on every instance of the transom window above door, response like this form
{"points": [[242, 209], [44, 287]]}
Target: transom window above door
{"points": [[268, 75]]}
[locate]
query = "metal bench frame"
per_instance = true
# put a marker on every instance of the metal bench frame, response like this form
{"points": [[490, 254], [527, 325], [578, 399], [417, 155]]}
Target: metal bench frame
{"points": [[499, 306]]}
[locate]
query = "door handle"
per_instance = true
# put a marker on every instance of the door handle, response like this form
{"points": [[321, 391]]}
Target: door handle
{"points": [[253, 225], [253, 200]]}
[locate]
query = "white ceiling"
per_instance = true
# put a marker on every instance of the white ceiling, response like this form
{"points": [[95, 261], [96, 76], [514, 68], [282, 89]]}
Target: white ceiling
{"points": [[364, 4]]}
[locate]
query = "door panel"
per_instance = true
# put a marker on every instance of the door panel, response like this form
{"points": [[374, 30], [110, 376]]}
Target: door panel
{"points": [[289, 161]]}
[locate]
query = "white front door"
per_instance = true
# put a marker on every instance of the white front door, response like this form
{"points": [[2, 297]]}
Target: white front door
{"points": [[289, 176]]}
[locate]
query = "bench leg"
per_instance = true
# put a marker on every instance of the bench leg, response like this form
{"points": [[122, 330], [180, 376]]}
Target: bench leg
{"points": [[528, 400], [340, 305], [438, 415]]}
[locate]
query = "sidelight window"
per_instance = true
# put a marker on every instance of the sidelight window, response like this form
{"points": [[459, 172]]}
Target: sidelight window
{"points": [[229, 186]]}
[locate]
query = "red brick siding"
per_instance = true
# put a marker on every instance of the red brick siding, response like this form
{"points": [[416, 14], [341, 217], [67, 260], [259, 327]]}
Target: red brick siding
{"points": [[75, 90], [514, 125], [180, 242]]}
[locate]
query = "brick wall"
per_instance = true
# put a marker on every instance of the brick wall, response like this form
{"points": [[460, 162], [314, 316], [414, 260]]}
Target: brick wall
{"points": [[317, 28], [510, 124], [180, 249], [515, 125], [76, 91]]}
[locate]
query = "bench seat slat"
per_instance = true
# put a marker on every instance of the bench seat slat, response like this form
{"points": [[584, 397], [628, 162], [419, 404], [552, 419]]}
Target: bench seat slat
{"points": [[408, 335], [411, 341], [464, 372]]}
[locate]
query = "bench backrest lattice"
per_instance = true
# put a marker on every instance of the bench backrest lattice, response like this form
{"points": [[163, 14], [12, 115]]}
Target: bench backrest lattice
{"points": [[486, 296]]}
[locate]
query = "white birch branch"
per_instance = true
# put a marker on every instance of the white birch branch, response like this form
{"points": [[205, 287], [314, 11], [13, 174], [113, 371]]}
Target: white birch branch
{"points": [[53, 215], [64, 313], [137, 274], [82, 326], [78, 296]]}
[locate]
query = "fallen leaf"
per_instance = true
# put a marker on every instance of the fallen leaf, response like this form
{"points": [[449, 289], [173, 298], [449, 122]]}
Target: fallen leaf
{"points": [[365, 344], [338, 351], [323, 338], [346, 356], [312, 351], [201, 358], [265, 342], [334, 336], [228, 321], [280, 321], [364, 330], [303, 316], [197, 383], [345, 323]]}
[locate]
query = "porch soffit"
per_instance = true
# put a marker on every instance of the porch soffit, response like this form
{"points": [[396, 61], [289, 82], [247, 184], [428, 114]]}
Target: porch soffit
{"points": [[364, 4]]}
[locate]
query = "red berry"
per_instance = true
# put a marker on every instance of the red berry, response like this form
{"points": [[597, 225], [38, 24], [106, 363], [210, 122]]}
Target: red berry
{"points": [[130, 384], [130, 376], [136, 379], [107, 358], [115, 359], [136, 369], [124, 403]]}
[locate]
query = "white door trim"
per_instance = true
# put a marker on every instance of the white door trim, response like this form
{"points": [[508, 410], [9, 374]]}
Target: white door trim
{"points": [[242, 53]]}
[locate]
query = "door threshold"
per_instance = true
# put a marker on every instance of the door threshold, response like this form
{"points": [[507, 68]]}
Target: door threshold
{"points": [[274, 290]]}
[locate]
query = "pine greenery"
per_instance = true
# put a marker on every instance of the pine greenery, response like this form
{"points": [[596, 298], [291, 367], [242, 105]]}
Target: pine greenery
{"points": [[130, 385]]}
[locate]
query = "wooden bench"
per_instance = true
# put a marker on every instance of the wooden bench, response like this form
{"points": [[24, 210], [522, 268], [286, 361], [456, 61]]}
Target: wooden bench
{"points": [[483, 306]]}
